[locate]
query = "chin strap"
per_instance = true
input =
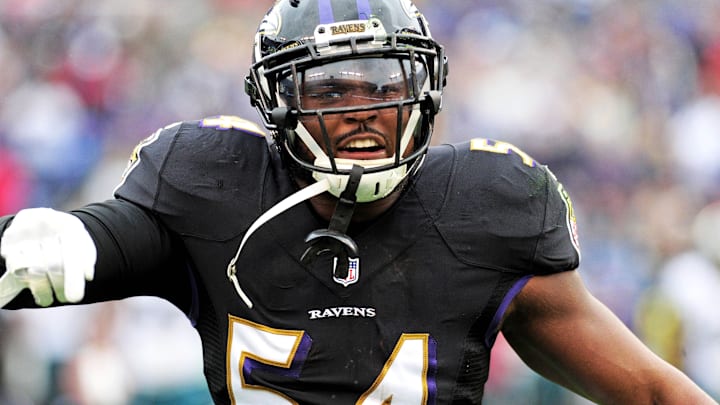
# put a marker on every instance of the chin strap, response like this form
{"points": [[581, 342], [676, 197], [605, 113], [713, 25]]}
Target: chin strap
{"points": [[290, 201], [334, 240]]}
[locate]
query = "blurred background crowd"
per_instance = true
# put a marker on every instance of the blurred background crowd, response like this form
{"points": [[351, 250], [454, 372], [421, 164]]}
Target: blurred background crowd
{"points": [[620, 98]]}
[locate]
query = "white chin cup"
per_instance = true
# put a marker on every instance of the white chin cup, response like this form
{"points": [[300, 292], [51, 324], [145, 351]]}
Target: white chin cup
{"points": [[372, 187]]}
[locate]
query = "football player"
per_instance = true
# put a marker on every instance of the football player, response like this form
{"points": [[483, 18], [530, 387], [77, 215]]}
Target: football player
{"points": [[341, 259]]}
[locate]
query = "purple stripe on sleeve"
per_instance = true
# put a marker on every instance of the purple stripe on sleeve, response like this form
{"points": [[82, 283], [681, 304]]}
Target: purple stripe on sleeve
{"points": [[495, 324], [325, 12], [364, 9]]}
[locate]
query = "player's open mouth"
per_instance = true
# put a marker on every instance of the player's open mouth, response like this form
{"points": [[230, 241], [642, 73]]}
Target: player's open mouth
{"points": [[362, 148]]}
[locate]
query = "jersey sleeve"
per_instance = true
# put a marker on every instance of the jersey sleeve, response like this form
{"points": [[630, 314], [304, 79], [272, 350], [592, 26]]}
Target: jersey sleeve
{"points": [[558, 245], [136, 255]]}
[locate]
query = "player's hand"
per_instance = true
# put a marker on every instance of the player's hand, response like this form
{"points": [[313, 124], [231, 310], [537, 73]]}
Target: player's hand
{"points": [[48, 252]]}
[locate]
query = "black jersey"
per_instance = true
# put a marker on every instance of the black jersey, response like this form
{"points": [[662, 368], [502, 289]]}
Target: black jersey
{"points": [[415, 318]]}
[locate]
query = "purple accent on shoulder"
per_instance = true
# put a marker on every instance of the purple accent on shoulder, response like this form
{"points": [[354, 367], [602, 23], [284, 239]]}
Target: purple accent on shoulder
{"points": [[495, 324], [325, 12], [364, 10]]}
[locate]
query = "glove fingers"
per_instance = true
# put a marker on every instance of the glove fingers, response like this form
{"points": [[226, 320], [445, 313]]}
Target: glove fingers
{"points": [[72, 286], [79, 256], [10, 287], [19, 256], [37, 264], [57, 283], [41, 290], [51, 272]]}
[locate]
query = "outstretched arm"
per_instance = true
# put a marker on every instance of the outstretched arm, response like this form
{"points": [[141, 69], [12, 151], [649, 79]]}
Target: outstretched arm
{"points": [[136, 255], [564, 333]]}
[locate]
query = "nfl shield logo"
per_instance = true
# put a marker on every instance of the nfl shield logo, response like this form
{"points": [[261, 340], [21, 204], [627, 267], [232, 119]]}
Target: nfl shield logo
{"points": [[353, 274]]}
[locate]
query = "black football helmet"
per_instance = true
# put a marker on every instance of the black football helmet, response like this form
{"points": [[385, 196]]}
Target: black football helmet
{"points": [[302, 45]]}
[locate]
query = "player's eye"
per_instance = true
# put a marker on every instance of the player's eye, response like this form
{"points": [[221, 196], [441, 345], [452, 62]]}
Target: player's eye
{"points": [[390, 92], [326, 95]]}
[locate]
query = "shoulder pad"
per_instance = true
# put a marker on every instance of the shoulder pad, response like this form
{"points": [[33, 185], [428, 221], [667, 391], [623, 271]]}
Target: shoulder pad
{"points": [[504, 148], [226, 122], [135, 155]]}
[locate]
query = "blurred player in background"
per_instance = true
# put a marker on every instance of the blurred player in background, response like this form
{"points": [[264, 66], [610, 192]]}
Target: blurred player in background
{"points": [[678, 323]]}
